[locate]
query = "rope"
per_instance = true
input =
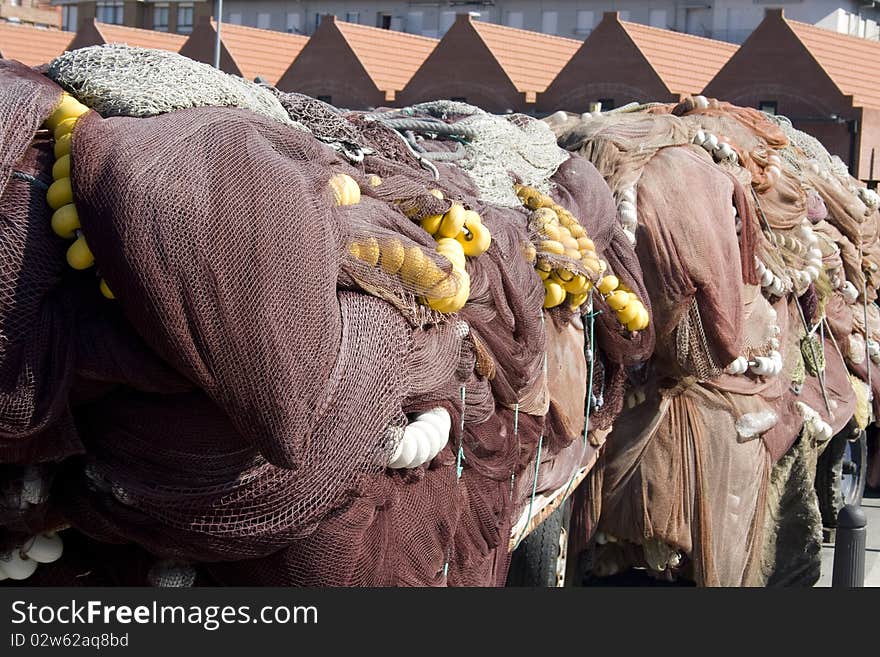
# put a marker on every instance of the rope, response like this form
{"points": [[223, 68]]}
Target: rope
{"points": [[423, 162], [447, 156], [458, 459], [588, 402], [534, 490], [425, 125], [460, 456], [36, 182], [515, 435], [865, 310], [815, 358]]}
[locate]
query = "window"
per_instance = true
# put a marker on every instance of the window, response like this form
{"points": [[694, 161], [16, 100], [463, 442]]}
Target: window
{"points": [[185, 18], [658, 18], [768, 106], [234, 18], [264, 20], [326, 99], [585, 22], [352, 17], [459, 99], [447, 18], [160, 17], [383, 21], [293, 25], [514, 19], [109, 12], [549, 22], [69, 18], [605, 104]]}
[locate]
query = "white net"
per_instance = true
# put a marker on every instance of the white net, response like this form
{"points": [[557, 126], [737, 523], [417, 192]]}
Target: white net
{"points": [[120, 80], [809, 145], [503, 145]]}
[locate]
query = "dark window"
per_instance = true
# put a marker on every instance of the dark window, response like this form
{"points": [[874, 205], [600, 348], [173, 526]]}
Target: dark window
{"points": [[459, 99], [326, 99], [768, 106], [606, 104], [383, 21]]}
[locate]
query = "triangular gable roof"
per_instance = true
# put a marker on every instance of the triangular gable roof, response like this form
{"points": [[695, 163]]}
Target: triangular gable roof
{"points": [[852, 63], [134, 36], [258, 52], [389, 57], [32, 45], [684, 62], [530, 59]]}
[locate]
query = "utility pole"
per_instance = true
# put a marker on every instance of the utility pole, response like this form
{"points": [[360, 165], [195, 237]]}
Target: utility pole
{"points": [[218, 16]]}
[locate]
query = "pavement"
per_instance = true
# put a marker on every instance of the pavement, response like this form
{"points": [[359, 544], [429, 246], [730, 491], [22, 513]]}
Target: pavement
{"points": [[871, 507]]}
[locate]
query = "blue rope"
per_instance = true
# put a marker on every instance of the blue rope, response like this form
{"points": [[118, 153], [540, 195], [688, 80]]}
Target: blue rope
{"points": [[537, 462], [590, 356], [460, 457], [534, 490], [515, 435], [459, 468]]}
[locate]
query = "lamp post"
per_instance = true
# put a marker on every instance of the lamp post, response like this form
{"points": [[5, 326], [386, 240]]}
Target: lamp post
{"points": [[218, 15]]}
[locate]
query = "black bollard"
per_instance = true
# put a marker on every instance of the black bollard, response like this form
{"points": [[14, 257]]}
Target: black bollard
{"points": [[849, 548]]}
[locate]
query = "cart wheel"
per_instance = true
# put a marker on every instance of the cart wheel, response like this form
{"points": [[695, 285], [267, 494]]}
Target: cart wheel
{"points": [[541, 558]]}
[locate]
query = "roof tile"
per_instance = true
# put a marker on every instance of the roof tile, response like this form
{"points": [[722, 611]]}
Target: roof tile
{"points": [[134, 36], [267, 53], [390, 57], [851, 62], [530, 59], [686, 63], [32, 45]]}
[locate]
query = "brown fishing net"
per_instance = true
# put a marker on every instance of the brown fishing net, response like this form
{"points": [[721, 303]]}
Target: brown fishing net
{"points": [[683, 477], [237, 403]]}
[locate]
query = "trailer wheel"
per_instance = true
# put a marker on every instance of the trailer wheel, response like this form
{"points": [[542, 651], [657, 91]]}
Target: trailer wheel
{"points": [[541, 558], [841, 474]]}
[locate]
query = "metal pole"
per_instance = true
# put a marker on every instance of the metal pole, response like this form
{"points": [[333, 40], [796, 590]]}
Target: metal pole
{"points": [[219, 18], [849, 548]]}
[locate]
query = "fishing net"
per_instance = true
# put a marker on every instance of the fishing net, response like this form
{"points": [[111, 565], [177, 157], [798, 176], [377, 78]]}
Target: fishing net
{"points": [[669, 500], [237, 404], [120, 80]]}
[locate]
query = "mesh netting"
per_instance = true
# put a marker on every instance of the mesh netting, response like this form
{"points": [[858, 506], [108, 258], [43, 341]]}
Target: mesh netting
{"points": [[238, 402], [120, 80], [503, 146]]}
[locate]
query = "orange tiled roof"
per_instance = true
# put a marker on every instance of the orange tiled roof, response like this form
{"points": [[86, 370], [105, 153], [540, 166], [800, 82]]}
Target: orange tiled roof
{"points": [[851, 62], [267, 53], [686, 63], [134, 36], [530, 59], [390, 58], [32, 45]]}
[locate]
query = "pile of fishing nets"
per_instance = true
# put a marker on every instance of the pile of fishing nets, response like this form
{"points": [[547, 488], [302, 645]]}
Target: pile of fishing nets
{"points": [[249, 338], [240, 347], [760, 255]]}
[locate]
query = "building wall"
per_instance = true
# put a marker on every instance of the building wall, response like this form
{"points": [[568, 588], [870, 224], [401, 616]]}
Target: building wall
{"points": [[200, 47], [722, 19], [328, 69], [30, 12], [729, 20], [773, 66], [608, 66], [485, 85], [140, 14], [869, 145]]}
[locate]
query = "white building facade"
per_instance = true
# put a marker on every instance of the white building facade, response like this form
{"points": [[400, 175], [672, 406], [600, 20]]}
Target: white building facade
{"points": [[728, 20]]}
